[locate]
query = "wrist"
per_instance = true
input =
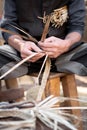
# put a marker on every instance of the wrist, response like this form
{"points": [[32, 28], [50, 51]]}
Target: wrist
{"points": [[16, 42], [68, 43], [20, 44], [13, 38]]}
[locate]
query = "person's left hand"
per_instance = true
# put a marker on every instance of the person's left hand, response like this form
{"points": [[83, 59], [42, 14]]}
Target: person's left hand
{"points": [[54, 46]]}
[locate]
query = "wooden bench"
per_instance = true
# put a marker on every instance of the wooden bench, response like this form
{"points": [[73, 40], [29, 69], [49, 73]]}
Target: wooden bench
{"points": [[69, 88]]}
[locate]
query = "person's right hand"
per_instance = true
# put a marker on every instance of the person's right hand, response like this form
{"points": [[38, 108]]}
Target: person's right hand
{"points": [[27, 48]]}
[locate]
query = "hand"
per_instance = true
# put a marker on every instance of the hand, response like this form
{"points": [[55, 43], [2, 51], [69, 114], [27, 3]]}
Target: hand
{"points": [[27, 48], [54, 46]]}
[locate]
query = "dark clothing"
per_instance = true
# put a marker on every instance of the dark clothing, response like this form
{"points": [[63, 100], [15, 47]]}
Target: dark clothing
{"points": [[25, 14]]}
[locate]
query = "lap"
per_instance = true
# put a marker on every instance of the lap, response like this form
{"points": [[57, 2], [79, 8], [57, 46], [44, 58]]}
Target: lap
{"points": [[8, 58], [74, 61], [10, 52]]}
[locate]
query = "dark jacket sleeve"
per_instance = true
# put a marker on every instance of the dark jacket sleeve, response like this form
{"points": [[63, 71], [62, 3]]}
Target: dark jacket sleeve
{"points": [[76, 16], [9, 16]]}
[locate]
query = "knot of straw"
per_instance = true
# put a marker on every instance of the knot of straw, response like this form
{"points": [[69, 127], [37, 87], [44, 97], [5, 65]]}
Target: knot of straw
{"points": [[58, 17]]}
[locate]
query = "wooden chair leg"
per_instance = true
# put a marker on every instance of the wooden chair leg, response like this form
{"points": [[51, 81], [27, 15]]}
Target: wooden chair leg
{"points": [[52, 87], [11, 83], [70, 90]]}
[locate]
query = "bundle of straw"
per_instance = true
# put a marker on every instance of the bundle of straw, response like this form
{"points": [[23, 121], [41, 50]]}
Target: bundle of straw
{"points": [[53, 117]]}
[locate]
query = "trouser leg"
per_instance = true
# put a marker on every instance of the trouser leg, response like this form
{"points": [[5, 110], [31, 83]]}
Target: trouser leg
{"points": [[74, 61], [82, 60], [4, 60], [6, 63]]}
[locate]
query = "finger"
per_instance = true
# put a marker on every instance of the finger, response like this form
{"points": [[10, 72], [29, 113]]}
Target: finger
{"points": [[45, 44], [36, 48], [50, 39], [26, 53], [52, 54], [36, 58]]}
